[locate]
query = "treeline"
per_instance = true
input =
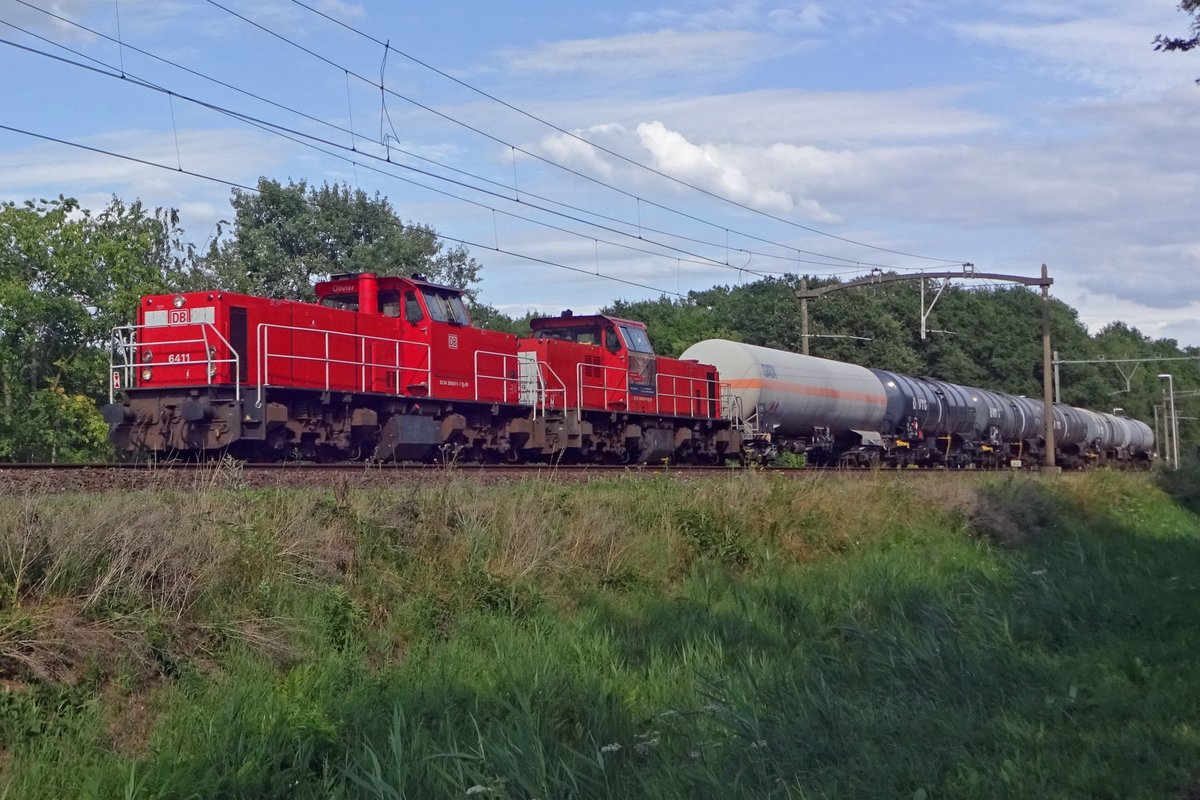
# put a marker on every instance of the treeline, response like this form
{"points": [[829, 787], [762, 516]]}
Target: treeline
{"points": [[68, 275], [988, 337]]}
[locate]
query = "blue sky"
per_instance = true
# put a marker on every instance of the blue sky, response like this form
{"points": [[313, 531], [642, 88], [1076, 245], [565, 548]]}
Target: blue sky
{"points": [[1007, 135]]}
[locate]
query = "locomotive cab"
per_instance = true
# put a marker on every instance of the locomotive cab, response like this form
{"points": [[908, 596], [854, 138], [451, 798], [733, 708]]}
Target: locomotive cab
{"points": [[412, 299], [447, 356], [609, 362]]}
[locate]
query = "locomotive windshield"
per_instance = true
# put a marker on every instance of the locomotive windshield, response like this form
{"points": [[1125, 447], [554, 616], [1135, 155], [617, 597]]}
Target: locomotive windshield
{"points": [[445, 307], [636, 339]]}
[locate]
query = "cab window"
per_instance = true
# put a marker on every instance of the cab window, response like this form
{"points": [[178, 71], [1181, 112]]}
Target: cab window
{"points": [[389, 303], [345, 302], [580, 335], [636, 339], [445, 307], [412, 309]]}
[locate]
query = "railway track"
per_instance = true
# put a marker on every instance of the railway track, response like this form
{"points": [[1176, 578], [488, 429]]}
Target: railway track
{"points": [[28, 478]]}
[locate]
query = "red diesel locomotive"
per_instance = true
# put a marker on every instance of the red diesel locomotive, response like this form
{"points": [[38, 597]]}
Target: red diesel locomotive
{"points": [[392, 369]]}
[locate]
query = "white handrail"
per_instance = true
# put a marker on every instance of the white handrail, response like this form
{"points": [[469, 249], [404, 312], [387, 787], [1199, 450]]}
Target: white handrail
{"points": [[504, 378], [542, 391], [359, 341], [603, 387], [547, 392], [124, 343], [709, 395]]}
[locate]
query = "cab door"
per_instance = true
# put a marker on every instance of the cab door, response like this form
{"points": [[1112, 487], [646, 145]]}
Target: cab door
{"points": [[416, 363], [615, 370], [641, 361]]}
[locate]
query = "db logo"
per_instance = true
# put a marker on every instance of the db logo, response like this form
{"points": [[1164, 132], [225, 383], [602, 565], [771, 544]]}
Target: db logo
{"points": [[453, 341], [179, 316]]}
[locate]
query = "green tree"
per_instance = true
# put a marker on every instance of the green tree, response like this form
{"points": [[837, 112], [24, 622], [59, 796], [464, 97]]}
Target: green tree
{"points": [[286, 237], [674, 324], [67, 277], [58, 427]]}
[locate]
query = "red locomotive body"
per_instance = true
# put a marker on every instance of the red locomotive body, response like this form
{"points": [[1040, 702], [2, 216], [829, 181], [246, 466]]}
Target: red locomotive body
{"points": [[392, 368], [608, 364]]}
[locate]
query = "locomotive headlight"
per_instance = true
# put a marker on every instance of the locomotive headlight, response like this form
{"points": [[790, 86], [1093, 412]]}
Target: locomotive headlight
{"points": [[147, 373], [147, 356], [178, 301]]}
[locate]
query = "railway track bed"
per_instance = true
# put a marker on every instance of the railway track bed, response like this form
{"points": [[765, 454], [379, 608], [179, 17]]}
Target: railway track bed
{"points": [[37, 478]]}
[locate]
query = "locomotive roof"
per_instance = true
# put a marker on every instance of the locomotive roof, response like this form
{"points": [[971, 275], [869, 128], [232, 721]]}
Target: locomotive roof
{"points": [[567, 319], [351, 279]]}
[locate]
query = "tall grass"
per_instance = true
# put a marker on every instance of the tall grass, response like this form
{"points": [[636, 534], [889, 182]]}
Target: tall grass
{"points": [[748, 637]]}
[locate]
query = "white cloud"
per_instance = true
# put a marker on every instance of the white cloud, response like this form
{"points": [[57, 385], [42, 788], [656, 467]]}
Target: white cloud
{"points": [[658, 53], [1108, 45], [799, 116], [47, 170], [745, 14], [41, 21], [717, 168], [809, 19], [340, 8]]}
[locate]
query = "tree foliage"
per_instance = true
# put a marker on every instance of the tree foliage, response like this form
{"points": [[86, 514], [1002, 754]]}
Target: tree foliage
{"points": [[989, 338], [1191, 8], [67, 276], [287, 237], [1183, 43]]}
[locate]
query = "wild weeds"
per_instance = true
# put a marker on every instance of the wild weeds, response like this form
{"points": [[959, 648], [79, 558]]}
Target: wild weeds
{"points": [[750, 636]]}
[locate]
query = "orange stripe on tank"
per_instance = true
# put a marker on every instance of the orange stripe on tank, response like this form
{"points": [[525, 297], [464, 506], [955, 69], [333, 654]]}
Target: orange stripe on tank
{"points": [[812, 391]]}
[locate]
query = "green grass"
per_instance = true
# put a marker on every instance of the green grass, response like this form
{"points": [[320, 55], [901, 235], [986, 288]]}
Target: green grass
{"points": [[753, 637]]}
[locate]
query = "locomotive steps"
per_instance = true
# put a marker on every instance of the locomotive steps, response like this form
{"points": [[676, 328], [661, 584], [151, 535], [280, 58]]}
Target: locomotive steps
{"points": [[619, 638]]}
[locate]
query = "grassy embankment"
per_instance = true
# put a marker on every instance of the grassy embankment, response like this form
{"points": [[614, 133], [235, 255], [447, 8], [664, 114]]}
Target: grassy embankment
{"points": [[749, 637]]}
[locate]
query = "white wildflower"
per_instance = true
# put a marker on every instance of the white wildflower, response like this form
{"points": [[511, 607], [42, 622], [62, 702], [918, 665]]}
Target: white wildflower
{"points": [[646, 746], [610, 748], [477, 789], [758, 744]]}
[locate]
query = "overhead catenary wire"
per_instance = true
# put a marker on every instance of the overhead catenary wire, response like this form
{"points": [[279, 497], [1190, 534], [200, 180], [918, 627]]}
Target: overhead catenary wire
{"points": [[475, 129], [235, 185], [602, 148], [390, 145], [298, 137]]}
